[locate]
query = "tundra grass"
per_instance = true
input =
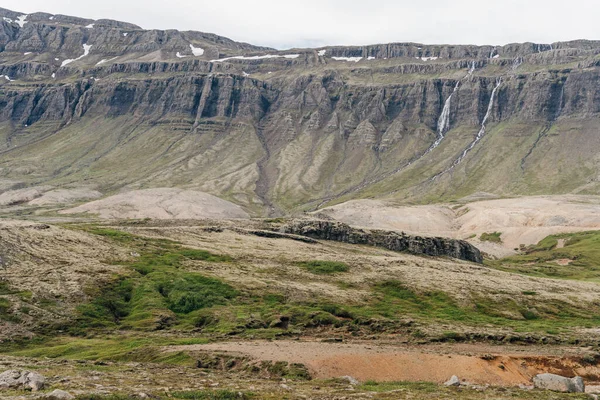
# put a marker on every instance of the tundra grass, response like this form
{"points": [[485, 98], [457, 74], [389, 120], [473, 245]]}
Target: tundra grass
{"points": [[158, 298], [579, 259]]}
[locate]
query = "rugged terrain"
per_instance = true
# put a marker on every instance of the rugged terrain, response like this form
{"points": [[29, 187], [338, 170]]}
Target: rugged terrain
{"points": [[106, 106], [263, 308], [431, 210]]}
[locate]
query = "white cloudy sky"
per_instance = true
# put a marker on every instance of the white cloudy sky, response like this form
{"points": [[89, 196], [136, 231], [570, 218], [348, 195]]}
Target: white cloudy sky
{"points": [[312, 23]]}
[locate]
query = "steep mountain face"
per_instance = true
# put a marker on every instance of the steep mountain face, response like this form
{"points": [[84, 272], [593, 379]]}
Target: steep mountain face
{"points": [[110, 105]]}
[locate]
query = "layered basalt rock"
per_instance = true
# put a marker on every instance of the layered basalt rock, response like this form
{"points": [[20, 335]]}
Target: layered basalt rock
{"points": [[395, 241]]}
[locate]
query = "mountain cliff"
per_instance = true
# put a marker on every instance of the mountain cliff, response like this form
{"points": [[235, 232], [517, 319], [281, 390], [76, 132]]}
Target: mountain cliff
{"points": [[110, 105]]}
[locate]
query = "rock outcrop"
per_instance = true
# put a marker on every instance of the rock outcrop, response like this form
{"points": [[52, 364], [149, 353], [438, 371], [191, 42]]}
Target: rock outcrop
{"points": [[559, 383], [327, 230], [15, 379]]}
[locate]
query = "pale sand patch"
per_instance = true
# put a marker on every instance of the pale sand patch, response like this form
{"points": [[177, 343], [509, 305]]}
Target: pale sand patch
{"points": [[65, 196], [161, 203], [522, 220]]}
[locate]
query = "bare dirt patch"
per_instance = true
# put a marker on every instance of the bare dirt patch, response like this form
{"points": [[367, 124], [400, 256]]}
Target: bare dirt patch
{"points": [[479, 364]]}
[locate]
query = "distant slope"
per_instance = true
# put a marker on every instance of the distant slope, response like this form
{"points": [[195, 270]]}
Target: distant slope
{"points": [[161, 204], [109, 105]]}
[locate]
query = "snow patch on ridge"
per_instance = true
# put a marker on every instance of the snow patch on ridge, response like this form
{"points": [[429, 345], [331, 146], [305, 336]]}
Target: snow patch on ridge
{"points": [[90, 26], [321, 53], [349, 59], [86, 51], [263, 57], [105, 60], [21, 20], [197, 51]]}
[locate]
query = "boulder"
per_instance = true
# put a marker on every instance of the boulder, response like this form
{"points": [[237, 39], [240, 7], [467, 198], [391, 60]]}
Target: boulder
{"points": [[351, 380], [15, 379], [559, 383], [454, 381], [59, 395]]}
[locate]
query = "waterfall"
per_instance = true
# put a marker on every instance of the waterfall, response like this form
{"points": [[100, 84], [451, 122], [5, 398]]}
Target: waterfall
{"points": [[516, 63], [443, 124], [480, 134]]}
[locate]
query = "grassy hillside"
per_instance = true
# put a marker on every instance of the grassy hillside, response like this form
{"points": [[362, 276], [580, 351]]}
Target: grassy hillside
{"points": [[573, 256]]}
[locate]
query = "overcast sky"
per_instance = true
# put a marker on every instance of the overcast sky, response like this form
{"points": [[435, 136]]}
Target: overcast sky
{"points": [[312, 23]]}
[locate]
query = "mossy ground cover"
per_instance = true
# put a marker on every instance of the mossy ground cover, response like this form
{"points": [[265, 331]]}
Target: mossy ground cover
{"points": [[324, 267], [578, 259], [158, 294], [493, 237]]}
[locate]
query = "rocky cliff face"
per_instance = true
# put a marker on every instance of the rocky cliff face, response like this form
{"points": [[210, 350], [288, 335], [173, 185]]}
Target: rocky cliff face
{"points": [[340, 232], [278, 131]]}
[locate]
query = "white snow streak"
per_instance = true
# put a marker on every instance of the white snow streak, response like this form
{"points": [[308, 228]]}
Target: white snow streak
{"points": [[51, 18], [370, 58], [21, 20], [321, 53], [179, 55], [53, 75], [7, 19], [349, 59], [197, 51], [428, 58], [7, 78], [90, 26], [27, 53], [266, 56], [86, 51], [105, 60], [125, 34]]}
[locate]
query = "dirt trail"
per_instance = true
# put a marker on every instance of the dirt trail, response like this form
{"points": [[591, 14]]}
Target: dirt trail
{"points": [[478, 364]]}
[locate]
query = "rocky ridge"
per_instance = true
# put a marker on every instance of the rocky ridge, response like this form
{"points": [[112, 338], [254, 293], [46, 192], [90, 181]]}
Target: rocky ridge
{"points": [[340, 232], [307, 126]]}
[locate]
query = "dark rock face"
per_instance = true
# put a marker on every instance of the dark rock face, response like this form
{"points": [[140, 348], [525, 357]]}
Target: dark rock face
{"points": [[340, 232], [347, 125]]}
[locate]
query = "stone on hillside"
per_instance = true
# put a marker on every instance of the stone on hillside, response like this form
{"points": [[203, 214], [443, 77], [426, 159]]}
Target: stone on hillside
{"points": [[59, 395], [454, 381], [15, 379], [351, 380], [559, 383]]}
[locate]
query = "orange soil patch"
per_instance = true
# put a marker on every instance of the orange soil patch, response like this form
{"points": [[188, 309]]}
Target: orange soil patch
{"points": [[500, 366], [563, 261]]}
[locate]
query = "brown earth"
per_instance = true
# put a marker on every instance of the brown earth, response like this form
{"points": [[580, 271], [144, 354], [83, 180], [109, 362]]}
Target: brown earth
{"points": [[476, 364]]}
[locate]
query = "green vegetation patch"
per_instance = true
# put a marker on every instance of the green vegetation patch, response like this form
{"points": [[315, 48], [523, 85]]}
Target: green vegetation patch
{"points": [[158, 292], [212, 395], [325, 267], [491, 237], [578, 259]]}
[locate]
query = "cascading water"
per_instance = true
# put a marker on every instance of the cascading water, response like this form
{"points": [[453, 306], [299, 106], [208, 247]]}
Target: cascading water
{"points": [[479, 134], [516, 63], [443, 124]]}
